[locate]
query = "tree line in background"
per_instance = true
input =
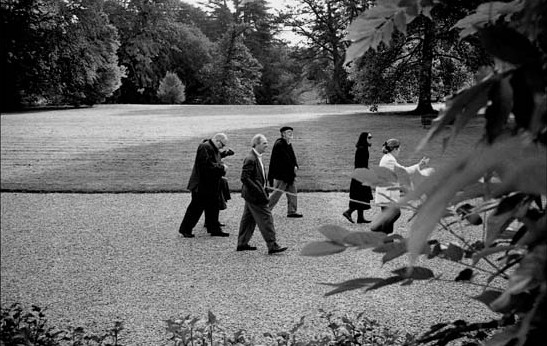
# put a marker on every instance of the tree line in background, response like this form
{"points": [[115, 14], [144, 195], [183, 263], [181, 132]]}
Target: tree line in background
{"points": [[84, 52]]}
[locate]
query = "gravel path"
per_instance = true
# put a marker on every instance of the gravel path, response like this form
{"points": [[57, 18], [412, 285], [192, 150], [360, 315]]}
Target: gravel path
{"points": [[93, 258]]}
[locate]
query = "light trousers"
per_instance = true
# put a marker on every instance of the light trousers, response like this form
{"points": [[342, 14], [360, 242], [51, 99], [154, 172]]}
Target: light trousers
{"points": [[292, 201]]}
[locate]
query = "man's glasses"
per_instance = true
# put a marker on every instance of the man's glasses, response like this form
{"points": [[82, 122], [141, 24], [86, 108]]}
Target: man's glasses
{"points": [[222, 143], [369, 137]]}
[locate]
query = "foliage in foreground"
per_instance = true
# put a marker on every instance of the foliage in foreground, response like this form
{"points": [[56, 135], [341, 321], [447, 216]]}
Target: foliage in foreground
{"points": [[19, 326], [30, 327], [503, 180], [340, 330]]}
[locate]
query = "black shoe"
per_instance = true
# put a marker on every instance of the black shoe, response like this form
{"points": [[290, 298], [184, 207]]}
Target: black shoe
{"points": [[219, 233], [246, 248], [277, 249], [364, 221], [294, 215], [220, 224], [187, 235], [348, 216]]}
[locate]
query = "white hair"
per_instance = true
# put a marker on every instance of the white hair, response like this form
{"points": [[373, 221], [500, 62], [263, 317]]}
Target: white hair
{"points": [[257, 139], [221, 136]]}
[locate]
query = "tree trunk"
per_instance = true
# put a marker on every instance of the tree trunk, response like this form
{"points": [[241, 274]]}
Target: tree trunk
{"points": [[426, 66]]}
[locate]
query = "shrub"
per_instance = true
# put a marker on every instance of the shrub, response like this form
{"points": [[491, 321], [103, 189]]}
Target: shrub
{"points": [[171, 89], [20, 326], [339, 330]]}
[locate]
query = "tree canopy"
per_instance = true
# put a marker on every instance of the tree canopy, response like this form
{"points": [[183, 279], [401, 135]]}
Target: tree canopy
{"points": [[91, 51]]}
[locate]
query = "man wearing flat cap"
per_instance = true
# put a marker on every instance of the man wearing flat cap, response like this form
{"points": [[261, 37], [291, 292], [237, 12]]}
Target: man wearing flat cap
{"points": [[282, 172]]}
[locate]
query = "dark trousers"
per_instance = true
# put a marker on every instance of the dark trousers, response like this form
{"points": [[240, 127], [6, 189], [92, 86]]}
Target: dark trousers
{"points": [[387, 225], [253, 215], [199, 204]]}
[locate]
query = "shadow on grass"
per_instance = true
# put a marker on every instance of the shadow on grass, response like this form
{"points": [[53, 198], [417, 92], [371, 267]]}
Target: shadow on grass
{"points": [[324, 148]]}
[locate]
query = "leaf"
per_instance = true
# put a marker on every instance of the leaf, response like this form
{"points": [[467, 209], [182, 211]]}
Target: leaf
{"points": [[505, 337], [501, 156], [386, 282], [508, 45], [211, 318], [474, 219], [400, 22], [486, 13], [297, 326], [351, 285], [373, 27], [471, 191], [334, 233], [321, 248], [491, 250], [503, 216], [435, 251], [396, 250], [364, 240], [453, 252], [416, 273], [497, 113], [488, 296], [388, 246], [535, 231], [461, 108], [403, 177], [527, 276], [386, 216], [464, 275], [526, 175], [376, 176]]}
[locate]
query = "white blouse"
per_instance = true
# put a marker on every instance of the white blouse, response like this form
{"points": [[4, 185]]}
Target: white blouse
{"points": [[389, 161]]}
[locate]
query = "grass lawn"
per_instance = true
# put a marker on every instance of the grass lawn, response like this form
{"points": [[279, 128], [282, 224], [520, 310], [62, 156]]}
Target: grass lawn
{"points": [[141, 148]]}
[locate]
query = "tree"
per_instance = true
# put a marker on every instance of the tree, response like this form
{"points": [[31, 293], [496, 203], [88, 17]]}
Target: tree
{"points": [[87, 64], [171, 89], [503, 180], [154, 42], [234, 72], [324, 23], [430, 51], [57, 52]]}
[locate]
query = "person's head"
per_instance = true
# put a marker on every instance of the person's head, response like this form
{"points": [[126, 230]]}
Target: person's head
{"points": [[364, 140], [286, 132], [220, 140], [391, 146], [259, 143]]}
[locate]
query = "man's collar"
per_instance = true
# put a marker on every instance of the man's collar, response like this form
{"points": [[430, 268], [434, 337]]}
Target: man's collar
{"points": [[256, 153]]}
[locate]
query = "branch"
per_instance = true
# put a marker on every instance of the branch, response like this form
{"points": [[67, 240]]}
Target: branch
{"points": [[470, 247], [450, 57]]}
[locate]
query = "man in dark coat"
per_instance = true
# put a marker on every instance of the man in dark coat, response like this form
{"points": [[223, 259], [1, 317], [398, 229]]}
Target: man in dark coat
{"points": [[204, 184], [256, 210], [282, 172]]}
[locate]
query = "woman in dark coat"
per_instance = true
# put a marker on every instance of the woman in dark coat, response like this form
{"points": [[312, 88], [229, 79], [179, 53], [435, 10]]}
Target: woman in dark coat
{"points": [[357, 191]]}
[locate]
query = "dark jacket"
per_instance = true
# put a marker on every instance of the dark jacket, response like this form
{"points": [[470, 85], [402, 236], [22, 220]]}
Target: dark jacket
{"points": [[282, 162], [207, 171], [253, 189]]}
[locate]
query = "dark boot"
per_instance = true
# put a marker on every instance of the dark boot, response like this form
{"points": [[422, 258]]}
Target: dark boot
{"points": [[347, 215], [361, 218]]}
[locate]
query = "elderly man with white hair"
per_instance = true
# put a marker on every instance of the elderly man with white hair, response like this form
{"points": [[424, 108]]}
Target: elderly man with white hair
{"points": [[256, 210]]}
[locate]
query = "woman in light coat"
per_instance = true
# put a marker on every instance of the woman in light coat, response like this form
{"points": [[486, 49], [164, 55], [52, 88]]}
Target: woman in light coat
{"points": [[384, 195]]}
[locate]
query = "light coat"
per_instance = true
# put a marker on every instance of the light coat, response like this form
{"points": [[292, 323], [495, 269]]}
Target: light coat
{"points": [[390, 162]]}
